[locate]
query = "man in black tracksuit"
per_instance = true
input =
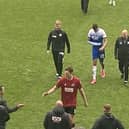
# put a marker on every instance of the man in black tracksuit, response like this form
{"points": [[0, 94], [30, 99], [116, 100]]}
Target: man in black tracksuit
{"points": [[57, 118], [121, 53], [107, 120], [58, 38], [84, 5], [5, 110]]}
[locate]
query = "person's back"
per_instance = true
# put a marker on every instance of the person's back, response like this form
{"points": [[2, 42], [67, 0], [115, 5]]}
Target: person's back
{"points": [[107, 120], [57, 119]]}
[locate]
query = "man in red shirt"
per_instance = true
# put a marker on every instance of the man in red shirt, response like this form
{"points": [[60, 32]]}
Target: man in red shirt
{"points": [[69, 85]]}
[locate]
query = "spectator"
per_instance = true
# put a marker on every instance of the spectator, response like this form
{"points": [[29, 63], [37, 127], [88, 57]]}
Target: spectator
{"points": [[98, 39], [107, 120]]}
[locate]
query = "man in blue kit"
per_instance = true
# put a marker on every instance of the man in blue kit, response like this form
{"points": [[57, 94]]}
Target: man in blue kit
{"points": [[98, 39]]}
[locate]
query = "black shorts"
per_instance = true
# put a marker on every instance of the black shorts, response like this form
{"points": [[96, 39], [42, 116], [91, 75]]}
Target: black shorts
{"points": [[70, 110]]}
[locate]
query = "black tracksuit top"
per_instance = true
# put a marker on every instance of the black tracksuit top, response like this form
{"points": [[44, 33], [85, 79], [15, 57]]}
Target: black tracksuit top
{"points": [[107, 121], [58, 38], [122, 49]]}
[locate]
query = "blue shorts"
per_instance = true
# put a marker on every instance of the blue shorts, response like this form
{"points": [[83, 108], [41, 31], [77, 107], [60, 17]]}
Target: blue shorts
{"points": [[96, 53]]}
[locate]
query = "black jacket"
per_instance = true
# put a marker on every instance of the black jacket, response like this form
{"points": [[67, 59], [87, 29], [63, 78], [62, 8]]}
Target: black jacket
{"points": [[4, 113], [121, 51], [57, 119], [58, 38], [107, 121]]}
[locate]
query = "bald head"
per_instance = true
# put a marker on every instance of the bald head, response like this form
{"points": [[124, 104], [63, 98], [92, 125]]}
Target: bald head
{"points": [[58, 24], [59, 103], [124, 33]]}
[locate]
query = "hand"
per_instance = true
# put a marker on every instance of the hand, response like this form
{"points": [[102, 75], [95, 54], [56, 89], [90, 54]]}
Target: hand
{"points": [[101, 48], [20, 105], [48, 51], [45, 94]]}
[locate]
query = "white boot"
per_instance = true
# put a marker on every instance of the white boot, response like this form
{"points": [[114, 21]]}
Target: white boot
{"points": [[110, 2], [114, 3]]}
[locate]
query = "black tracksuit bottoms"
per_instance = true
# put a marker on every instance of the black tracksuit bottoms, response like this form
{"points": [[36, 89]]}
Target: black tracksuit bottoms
{"points": [[123, 67], [84, 5], [58, 61]]}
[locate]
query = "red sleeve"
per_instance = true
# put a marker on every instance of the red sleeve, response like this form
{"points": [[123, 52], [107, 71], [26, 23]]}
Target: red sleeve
{"points": [[79, 84], [59, 82]]}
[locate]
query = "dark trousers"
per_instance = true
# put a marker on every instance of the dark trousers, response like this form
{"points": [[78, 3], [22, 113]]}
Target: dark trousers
{"points": [[58, 61], [123, 67], [84, 5]]}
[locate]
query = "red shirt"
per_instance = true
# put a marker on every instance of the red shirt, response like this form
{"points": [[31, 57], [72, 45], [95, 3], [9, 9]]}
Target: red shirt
{"points": [[69, 90]]}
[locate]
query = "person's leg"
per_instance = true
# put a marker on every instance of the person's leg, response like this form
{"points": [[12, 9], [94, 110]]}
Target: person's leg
{"points": [[94, 64], [84, 5], [55, 58], [114, 2], [60, 62], [126, 73], [101, 60], [71, 111], [121, 68]]}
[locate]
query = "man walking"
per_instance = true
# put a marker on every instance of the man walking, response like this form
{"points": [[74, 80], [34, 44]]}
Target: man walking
{"points": [[98, 39], [58, 39], [121, 52], [69, 85], [107, 120]]}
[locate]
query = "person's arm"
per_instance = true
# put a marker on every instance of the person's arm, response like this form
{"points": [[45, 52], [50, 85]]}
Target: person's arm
{"points": [[83, 96], [67, 43], [104, 44], [49, 42], [50, 91], [116, 50], [10, 110], [97, 124], [119, 124]]}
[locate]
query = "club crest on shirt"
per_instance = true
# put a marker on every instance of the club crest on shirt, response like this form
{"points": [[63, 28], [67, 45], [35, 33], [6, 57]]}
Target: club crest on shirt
{"points": [[72, 85], [60, 35]]}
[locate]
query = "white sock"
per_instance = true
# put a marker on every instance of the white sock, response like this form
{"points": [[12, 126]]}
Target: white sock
{"points": [[94, 69], [114, 3]]}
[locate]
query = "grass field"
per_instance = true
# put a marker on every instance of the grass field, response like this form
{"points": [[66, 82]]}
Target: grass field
{"points": [[26, 70]]}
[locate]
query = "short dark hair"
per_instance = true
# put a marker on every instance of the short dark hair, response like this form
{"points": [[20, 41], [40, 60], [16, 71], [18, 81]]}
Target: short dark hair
{"points": [[69, 69], [95, 27]]}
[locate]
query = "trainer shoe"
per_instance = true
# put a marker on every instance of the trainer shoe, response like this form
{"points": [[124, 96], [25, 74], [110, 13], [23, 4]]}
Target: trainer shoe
{"points": [[102, 74], [114, 3], [93, 81], [110, 2]]}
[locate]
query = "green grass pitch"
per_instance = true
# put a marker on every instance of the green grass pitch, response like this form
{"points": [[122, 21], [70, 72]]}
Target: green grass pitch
{"points": [[27, 70]]}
